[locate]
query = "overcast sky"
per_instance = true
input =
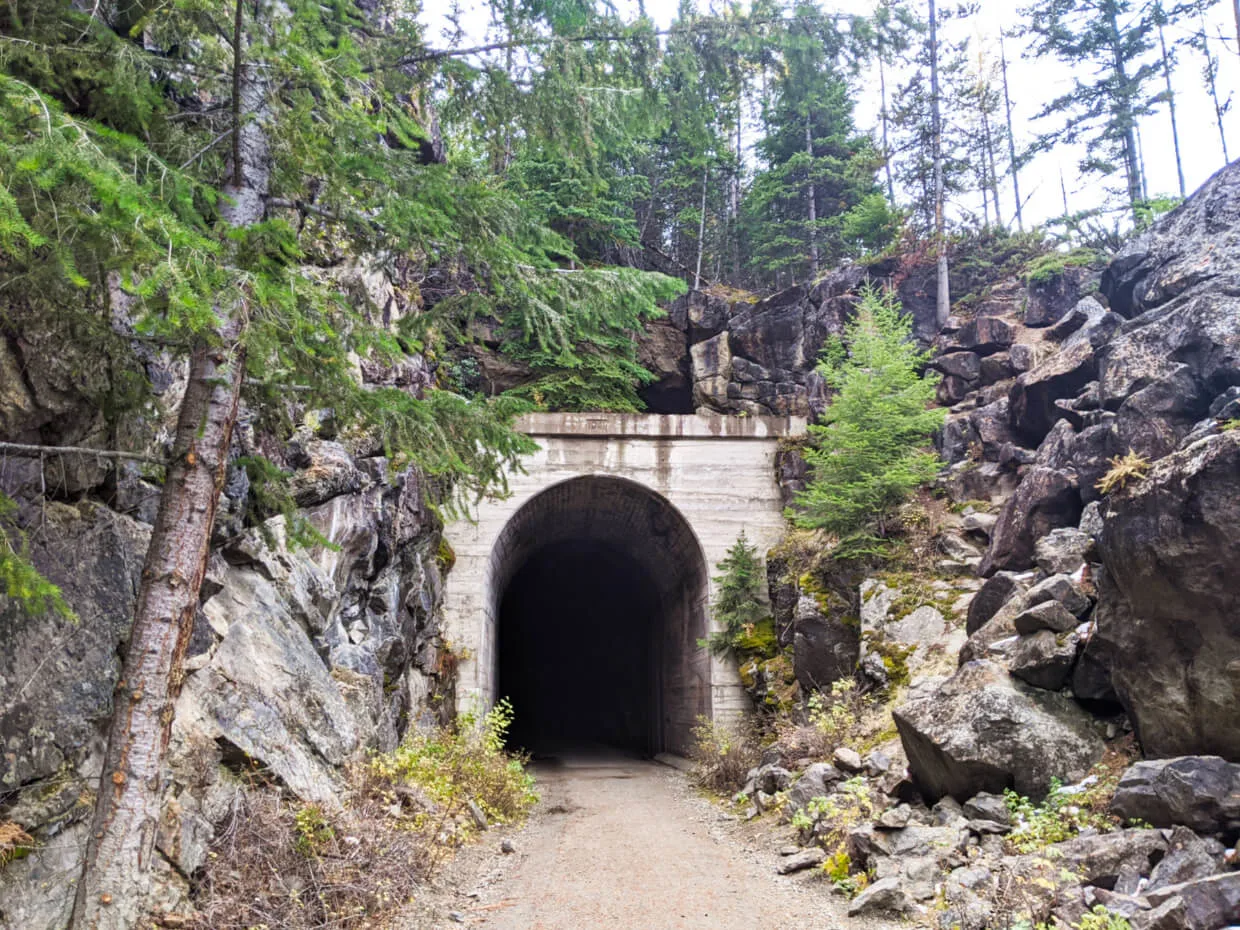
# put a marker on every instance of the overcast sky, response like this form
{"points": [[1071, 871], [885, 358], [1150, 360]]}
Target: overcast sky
{"points": [[1032, 84]]}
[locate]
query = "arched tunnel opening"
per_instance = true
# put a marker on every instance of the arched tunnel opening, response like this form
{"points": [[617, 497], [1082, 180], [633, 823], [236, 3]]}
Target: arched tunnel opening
{"points": [[600, 589]]}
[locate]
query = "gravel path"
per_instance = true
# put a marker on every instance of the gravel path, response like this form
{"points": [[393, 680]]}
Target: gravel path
{"points": [[624, 844]]}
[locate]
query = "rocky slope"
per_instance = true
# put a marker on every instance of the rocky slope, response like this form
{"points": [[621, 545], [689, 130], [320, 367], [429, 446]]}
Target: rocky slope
{"points": [[1080, 589]]}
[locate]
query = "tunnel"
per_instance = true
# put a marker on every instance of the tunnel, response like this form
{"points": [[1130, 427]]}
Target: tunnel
{"points": [[600, 596]]}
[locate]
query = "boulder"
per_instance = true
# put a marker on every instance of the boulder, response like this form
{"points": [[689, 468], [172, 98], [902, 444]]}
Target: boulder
{"points": [[963, 365], [1063, 550], [1045, 660], [1168, 620], [1103, 858], [712, 370], [57, 675], [1189, 857], [1205, 904], [995, 592], [824, 649], [986, 335], [982, 731], [885, 896], [817, 781], [1198, 792], [806, 859], [1060, 376], [985, 806], [1062, 589], [1048, 615], [1047, 302], [1046, 499]]}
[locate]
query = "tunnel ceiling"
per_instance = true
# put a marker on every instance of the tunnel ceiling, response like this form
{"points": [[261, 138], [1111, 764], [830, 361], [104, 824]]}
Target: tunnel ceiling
{"points": [[614, 511]]}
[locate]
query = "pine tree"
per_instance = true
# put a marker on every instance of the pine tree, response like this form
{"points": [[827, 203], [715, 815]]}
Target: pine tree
{"points": [[740, 610], [869, 451], [816, 167]]}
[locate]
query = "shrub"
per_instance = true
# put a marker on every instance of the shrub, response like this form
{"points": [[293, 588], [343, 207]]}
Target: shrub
{"points": [[465, 763], [741, 611], [870, 452], [1125, 470], [277, 862], [1060, 817], [1047, 267], [722, 755]]}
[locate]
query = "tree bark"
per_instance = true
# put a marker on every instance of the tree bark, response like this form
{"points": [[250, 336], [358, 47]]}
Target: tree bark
{"points": [[943, 305], [1235, 6], [811, 196], [121, 847], [1131, 157], [1211, 75], [701, 243], [112, 893], [882, 89], [1007, 103], [1175, 127], [994, 171]]}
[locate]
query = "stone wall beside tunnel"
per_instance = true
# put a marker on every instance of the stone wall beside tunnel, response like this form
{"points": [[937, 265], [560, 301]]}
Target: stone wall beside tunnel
{"points": [[671, 493]]}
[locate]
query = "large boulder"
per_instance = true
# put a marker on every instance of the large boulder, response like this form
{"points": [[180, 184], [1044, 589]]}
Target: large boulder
{"points": [[825, 647], [1168, 620], [57, 675], [982, 731], [1047, 498], [1200, 792]]}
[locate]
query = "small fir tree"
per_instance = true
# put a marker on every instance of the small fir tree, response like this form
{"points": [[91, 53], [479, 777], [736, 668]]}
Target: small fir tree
{"points": [[740, 610], [869, 451]]}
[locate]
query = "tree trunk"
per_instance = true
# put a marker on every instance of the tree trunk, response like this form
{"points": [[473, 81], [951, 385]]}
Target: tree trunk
{"points": [[994, 171], [112, 893], [1211, 75], [882, 88], [812, 198], [1128, 120], [120, 849], [701, 243], [943, 303], [1007, 103], [1175, 128], [1235, 6]]}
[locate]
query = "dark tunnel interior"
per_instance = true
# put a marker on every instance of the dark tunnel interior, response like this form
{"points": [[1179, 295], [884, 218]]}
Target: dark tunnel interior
{"points": [[578, 650]]}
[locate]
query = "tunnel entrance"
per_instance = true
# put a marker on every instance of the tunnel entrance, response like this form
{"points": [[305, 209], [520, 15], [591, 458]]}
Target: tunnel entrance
{"points": [[600, 591]]}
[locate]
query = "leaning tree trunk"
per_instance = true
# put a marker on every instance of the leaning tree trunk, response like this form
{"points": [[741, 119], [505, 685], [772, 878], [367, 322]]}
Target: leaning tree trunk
{"points": [[811, 196], [943, 305], [112, 894], [1007, 105], [1175, 126]]}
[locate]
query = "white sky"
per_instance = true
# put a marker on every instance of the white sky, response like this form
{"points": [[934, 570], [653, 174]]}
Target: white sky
{"points": [[1032, 84]]}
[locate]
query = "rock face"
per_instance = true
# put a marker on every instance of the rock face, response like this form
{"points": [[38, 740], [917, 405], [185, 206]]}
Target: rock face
{"points": [[1199, 792], [1169, 621], [981, 731]]}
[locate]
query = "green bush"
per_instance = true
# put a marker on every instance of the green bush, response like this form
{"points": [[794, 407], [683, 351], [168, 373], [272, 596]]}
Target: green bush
{"points": [[467, 763], [1060, 817], [870, 451]]}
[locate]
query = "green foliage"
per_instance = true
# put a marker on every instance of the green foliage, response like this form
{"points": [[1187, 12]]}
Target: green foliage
{"points": [[722, 755], [835, 716], [467, 763], [1047, 267], [1059, 817], [870, 226], [1100, 918], [869, 452], [313, 830], [1150, 210], [740, 609], [19, 579]]}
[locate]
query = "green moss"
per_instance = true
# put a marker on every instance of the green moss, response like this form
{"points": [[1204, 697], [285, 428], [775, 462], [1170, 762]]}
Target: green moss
{"points": [[758, 640], [894, 657], [445, 555], [1047, 267]]}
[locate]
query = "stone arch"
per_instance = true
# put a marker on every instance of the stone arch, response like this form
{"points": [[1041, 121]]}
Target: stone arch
{"points": [[631, 657]]}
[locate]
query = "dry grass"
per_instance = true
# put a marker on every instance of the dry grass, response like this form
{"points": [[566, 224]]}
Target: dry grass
{"points": [[1125, 470], [723, 755], [14, 843], [277, 863]]}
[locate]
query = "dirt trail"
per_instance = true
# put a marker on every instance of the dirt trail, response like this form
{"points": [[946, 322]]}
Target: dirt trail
{"points": [[620, 843]]}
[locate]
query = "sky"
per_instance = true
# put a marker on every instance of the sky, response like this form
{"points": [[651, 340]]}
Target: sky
{"points": [[1032, 83]]}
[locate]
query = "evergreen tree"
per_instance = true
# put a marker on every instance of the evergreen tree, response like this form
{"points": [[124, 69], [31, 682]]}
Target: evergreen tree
{"points": [[740, 609], [869, 451], [816, 166], [1117, 38]]}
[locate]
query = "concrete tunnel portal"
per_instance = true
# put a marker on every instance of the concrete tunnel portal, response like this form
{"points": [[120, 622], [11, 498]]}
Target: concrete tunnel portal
{"points": [[600, 592]]}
